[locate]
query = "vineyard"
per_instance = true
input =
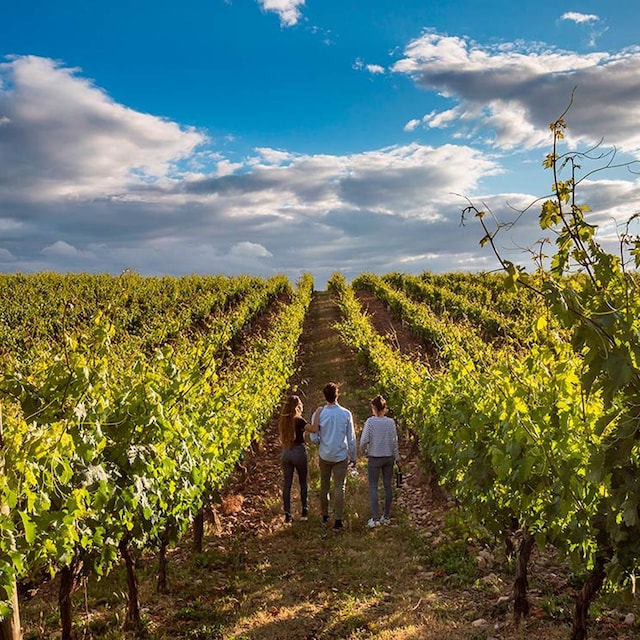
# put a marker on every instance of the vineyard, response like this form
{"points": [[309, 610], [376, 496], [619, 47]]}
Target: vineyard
{"points": [[121, 424], [132, 406]]}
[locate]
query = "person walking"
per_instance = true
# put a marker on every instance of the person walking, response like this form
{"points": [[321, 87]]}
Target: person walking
{"points": [[379, 442], [332, 428], [291, 426]]}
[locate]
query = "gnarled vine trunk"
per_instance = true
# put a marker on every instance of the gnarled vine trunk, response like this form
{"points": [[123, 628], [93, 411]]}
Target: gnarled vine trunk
{"points": [[68, 583], [585, 597], [162, 585], [521, 583], [198, 530], [9, 627], [132, 620]]}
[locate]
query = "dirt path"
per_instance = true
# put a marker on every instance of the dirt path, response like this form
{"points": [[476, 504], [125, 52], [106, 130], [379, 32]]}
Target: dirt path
{"points": [[323, 357], [315, 583]]}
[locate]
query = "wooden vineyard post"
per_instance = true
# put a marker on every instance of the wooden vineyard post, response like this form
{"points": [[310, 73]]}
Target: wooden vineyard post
{"points": [[10, 627]]}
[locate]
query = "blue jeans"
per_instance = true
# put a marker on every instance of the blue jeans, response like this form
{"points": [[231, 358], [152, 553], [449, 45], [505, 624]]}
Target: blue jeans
{"points": [[339, 472], [294, 459], [375, 466]]}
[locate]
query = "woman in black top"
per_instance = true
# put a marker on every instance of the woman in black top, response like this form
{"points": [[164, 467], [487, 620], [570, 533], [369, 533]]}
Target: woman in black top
{"points": [[294, 453]]}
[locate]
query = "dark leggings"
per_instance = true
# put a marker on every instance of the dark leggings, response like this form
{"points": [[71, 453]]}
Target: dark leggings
{"points": [[294, 459], [377, 466]]}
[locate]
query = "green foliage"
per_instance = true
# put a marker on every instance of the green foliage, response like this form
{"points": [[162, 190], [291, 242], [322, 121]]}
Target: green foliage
{"points": [[508, 431], [104, 444]]}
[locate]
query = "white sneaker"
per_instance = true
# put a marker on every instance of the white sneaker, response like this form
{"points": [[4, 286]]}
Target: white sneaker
{"points": [[385, 521], [372, 524]]}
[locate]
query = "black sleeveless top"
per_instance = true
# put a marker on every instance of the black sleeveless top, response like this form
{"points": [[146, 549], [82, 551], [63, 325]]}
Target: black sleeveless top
{"points": [[299, 428]]}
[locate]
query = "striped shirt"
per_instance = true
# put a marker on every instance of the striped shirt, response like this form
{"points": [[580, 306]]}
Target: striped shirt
{"points": [[379, 438]]}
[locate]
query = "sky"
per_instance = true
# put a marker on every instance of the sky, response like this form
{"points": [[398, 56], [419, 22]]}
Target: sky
{"points": [[306, 136]]}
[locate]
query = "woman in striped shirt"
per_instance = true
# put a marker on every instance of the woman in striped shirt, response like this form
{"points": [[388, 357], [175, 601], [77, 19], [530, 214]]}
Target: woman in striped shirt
{"points": [[379, 442]]}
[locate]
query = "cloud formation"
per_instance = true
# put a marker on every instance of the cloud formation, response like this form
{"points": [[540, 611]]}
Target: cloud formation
{"points": [[288, 10], [595, 25], [509, 94], [87, 184], [373, 69], [579, 18], [67, 139]]}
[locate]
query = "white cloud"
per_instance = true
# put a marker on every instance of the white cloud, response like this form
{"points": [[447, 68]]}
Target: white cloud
{"points": [[249, 250], [76, 141], [443, 118], [412, 125], [274, 212], [273, 156], [226, 168], [596, 26], [579, 18], [406, 180], [374, 69], [63, 249], [515, 92], [287, 10]]}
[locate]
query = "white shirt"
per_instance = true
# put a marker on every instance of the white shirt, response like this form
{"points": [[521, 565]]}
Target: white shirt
{"points": [[336, 434]]}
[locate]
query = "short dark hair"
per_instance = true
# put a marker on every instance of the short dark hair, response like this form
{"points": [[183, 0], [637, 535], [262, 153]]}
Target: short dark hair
{"points": [[330, 391]]}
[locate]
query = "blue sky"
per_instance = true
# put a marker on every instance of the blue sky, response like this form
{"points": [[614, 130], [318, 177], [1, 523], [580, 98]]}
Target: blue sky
{"points": [[280, 136]]}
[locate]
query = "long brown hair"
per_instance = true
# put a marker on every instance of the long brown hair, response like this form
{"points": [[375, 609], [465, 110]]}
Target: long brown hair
{"points": [[286, 424]]}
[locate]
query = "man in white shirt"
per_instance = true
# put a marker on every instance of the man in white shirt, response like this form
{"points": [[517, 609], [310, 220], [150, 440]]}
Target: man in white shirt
{"points": [[332, 428]]}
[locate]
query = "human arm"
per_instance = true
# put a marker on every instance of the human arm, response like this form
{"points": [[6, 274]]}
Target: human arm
{"points": [[314, 425], [351, 440], [364, 438], [313, 428]]}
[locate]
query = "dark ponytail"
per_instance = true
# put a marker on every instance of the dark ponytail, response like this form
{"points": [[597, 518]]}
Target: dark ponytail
{"points": [[379, 403]]}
